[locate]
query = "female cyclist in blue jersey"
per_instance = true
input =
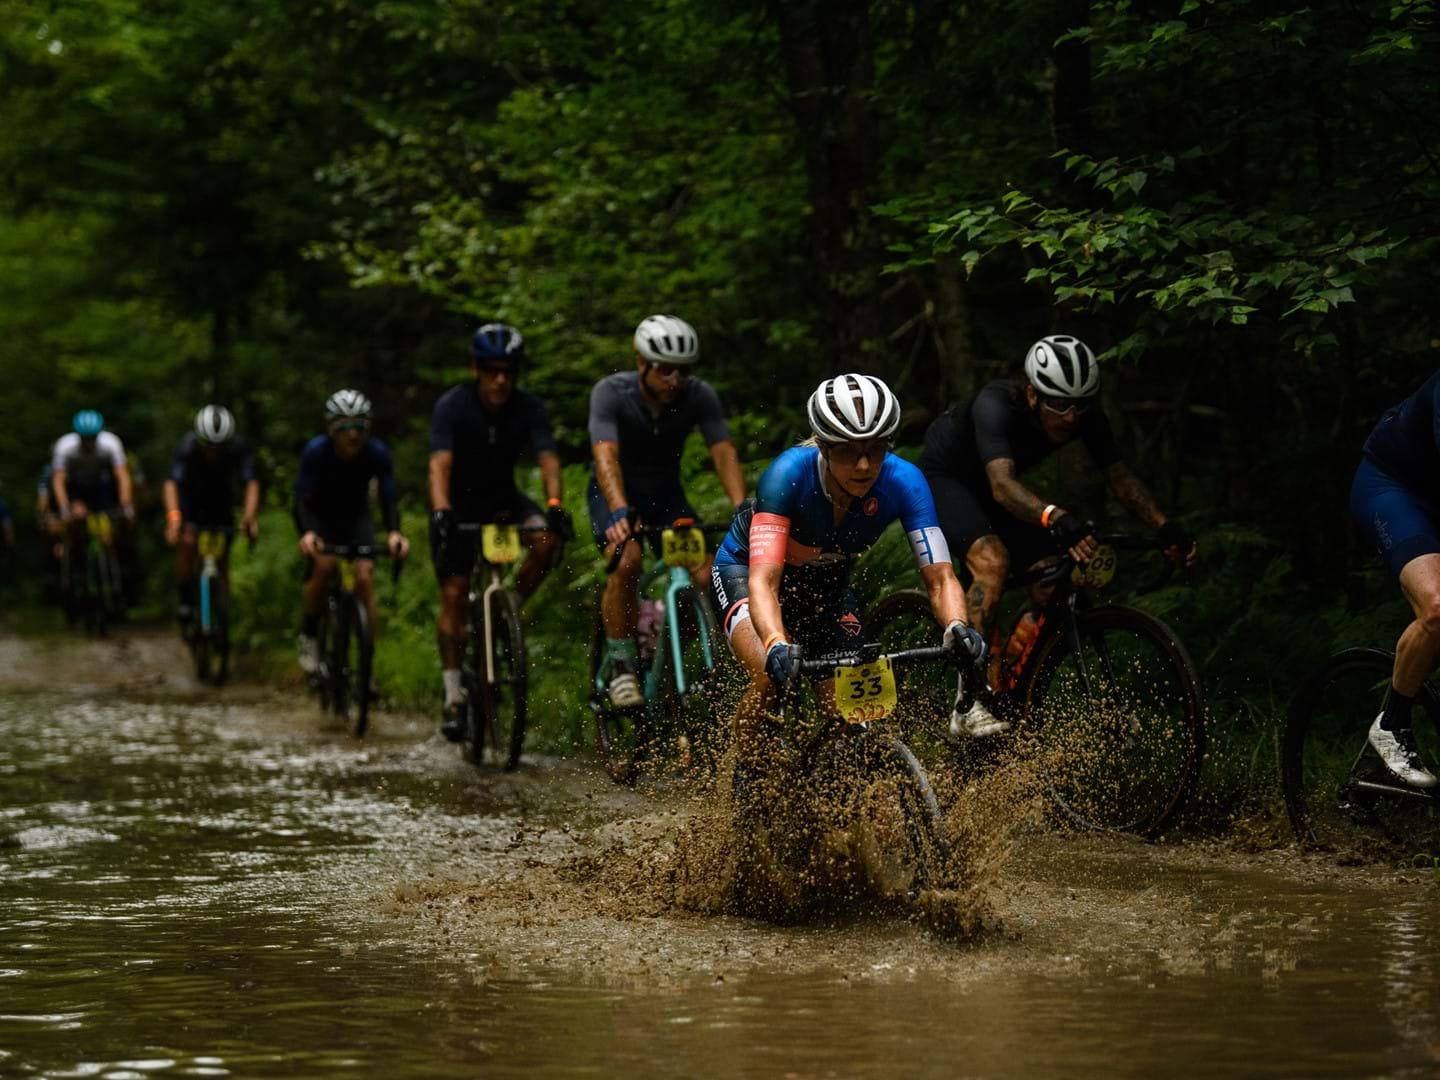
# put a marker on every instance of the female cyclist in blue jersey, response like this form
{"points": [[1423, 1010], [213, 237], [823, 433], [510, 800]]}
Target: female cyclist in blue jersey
{"points": [[781, 577]]}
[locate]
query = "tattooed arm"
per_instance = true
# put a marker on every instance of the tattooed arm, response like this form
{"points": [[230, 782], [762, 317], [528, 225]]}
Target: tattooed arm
{"points": [[1011, 494], [1134, 495]]}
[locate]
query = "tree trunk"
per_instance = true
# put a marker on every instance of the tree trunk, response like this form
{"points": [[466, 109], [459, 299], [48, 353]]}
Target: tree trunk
{"points": [[829, 70], [954, 330]]}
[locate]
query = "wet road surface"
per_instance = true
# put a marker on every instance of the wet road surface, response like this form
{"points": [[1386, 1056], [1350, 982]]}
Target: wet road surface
{"points": [[209, 886]]}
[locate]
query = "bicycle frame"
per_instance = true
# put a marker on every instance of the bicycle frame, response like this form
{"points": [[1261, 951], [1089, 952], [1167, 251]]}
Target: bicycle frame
{"points": [[212, 545], [680, 580], [1070, 598]]}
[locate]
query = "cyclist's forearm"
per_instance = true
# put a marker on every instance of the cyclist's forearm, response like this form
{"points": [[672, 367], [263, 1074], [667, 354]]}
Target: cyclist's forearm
{"points": [[1134, 495], [390, 513], [1019, 500], [170, 494], [727, 467], [765, 612], [947, 599], [440, 463], [62, 491], [252, 498], [122, 481], [608, 475], [550, 476]]}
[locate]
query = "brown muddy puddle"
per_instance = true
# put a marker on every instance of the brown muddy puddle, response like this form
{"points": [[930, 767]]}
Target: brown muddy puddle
{"points": [[229, 886]]}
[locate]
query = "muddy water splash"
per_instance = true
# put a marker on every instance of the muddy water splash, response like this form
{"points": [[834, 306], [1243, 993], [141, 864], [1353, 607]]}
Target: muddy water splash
{"points": [[201, 887]]}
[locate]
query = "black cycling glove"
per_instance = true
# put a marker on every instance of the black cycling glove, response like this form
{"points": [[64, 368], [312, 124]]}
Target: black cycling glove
{"points": [[782, 662], [966, 641], [1068, 530], [1175, 535], [557, 520]]}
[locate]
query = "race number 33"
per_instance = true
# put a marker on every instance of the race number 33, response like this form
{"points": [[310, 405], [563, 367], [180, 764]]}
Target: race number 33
{"points": [[500, 543], [865, 693], [683, 547]]}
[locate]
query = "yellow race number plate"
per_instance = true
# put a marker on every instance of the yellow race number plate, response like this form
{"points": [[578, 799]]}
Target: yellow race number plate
{"points": [[865, 693], [500, 543], [683, 547], [1098, 572], [211, 544]]}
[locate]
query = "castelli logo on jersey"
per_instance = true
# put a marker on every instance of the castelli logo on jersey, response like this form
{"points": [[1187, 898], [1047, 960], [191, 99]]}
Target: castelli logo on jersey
{"points": [[872, 505], [850, 623]]}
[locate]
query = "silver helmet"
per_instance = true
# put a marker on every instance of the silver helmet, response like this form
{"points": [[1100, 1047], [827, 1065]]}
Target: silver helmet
{"points": [[1062, 366], [849, 408], [214, 425], [664, 339]]}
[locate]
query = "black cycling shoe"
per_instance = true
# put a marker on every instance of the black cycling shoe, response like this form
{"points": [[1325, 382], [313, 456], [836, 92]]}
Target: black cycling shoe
{"points": [[452, 723]]}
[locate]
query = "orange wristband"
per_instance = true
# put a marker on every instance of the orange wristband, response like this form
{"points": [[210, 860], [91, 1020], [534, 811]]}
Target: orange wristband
{"points": [[772, 639], [552, 503], [1045, 514], [174, 515]]}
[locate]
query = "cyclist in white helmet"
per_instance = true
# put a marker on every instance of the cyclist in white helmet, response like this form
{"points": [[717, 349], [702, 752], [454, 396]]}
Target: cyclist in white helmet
{"points": [[975, 455], [639, 421], [200, 494], [781, 578], [332, 507]]}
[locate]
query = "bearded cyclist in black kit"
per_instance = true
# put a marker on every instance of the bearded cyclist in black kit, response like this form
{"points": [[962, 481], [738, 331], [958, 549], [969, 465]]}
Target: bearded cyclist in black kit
{"points": [[974, 456]]}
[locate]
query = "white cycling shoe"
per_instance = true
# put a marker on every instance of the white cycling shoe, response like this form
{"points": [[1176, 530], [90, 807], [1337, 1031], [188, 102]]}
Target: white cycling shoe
{"points": [[976, 722], [309, 654], [625, 691], [1397, 751]]}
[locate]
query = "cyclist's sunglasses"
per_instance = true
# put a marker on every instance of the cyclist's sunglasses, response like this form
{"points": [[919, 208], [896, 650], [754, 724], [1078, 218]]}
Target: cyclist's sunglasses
{"points": [[1065, 406], [850, 453], [352, 425], [672, 371], [494, 371]]}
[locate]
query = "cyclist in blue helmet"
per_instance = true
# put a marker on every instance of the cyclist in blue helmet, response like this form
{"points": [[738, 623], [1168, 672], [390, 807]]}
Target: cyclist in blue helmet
{"points": [[89, 471]]}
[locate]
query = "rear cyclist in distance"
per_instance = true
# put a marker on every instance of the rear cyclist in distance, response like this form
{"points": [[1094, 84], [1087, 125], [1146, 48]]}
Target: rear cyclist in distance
{"points": [[974, 457], [781, 578], [332, 508], [200, 494], [477, 434], [639, 421], [1395, 499], [88, 470]]}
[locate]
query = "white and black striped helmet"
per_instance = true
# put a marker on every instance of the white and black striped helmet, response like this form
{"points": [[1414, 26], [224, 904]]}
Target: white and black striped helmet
{"points": [[849, 408], [214, 425], [1062, 366], [664, 339], [347, 404]]}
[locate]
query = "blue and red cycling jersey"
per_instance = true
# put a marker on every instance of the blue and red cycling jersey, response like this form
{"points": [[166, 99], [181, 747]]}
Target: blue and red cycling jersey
{"points": [[793, 521]]}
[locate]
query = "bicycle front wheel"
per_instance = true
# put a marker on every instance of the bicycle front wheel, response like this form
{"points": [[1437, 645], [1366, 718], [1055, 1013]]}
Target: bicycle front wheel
{"points": [[617, 733], [505, 687], [357, 656], [876, 787], [1338, 794], [691, 716], [1118, 720], [200, 631]]}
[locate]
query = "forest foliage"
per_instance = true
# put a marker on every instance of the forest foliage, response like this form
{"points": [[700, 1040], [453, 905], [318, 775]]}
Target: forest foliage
{"points": [[1234, 202]]}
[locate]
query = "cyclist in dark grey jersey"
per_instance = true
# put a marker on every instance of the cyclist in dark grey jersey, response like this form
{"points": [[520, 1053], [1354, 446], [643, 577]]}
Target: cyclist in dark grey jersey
{"points": [[639, 421]]}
